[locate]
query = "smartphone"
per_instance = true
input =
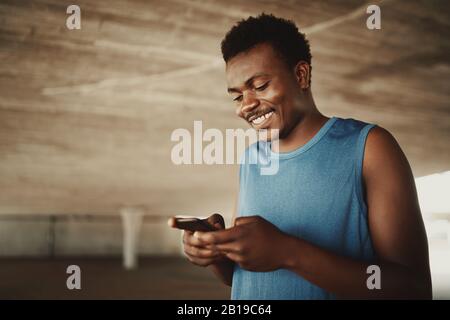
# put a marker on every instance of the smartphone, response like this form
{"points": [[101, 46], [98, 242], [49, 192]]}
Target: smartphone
{"points": [[191, 224]]}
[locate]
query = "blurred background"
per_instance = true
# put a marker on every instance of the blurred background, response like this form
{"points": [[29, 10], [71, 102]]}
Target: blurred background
{"points": [[86, 117]]}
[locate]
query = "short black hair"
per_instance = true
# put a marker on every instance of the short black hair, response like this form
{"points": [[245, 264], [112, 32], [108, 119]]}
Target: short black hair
{"points": [[282, 34]]}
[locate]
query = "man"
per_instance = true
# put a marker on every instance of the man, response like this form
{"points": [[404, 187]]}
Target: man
{"points": [[343, 199]]}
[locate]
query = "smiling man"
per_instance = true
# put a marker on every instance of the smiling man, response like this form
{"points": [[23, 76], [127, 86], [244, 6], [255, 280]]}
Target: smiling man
{"points": [[343, 199]]}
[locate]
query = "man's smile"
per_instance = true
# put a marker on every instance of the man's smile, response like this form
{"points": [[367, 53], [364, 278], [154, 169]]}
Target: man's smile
{"points": [[261, 119]]}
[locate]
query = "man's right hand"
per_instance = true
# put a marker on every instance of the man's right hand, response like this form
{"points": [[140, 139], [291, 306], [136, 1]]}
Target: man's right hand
{"points": [[199, 253]]}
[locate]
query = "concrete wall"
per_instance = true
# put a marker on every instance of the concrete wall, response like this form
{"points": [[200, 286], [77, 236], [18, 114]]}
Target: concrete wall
{"points": [[81, 235]]}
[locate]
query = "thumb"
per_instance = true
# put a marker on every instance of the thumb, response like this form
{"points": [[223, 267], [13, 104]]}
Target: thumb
{"points": [[217, 221], [245, 220]]}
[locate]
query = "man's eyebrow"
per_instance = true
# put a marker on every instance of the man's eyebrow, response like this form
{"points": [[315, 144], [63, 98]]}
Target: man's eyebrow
{"points": [[248, 81]]}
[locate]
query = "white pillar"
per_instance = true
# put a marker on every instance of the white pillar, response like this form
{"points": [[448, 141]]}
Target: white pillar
{"points": [[131, 221]]}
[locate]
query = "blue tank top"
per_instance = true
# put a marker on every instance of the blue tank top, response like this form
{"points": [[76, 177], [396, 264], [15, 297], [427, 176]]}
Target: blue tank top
{"points": [[316, 195]]}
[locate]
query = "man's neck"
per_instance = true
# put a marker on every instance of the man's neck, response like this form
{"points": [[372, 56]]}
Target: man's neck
{"points": [[304, 131]]}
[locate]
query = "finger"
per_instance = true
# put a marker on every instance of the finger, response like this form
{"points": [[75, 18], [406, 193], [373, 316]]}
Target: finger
{"points": [[189, 239], [234, 257], [201, 252], [171, 222], [216, 219], [243, 220], [229, 247], [200, 261], [220, 236]]}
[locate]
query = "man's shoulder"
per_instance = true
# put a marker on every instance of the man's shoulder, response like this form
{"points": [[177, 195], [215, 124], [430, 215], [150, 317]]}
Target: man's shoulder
{"points": [[380, 141], [382, 152]]}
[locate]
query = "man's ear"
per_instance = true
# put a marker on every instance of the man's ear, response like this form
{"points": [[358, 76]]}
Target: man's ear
{"points": [[303, 73]]}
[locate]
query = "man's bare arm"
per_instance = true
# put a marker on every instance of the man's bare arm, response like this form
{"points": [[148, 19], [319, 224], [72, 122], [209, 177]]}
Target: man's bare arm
{"points": [[396, 228]]}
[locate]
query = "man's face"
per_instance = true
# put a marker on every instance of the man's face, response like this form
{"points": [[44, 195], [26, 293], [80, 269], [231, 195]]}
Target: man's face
{"points": [[265, 91]]}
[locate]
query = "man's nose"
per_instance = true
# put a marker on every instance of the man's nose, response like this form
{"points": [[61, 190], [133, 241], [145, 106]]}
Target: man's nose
{"points": [[249, 102]]}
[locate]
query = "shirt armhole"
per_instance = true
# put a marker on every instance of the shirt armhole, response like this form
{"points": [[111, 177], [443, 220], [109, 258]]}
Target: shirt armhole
{"points": [[360, 149]]}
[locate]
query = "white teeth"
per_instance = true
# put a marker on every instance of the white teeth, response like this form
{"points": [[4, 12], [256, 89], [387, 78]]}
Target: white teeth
{"points": [[258, 120], [262, 118]]}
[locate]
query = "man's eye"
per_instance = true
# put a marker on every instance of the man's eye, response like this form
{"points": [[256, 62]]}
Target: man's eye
{"points": [[238, 98], [264, 86]]}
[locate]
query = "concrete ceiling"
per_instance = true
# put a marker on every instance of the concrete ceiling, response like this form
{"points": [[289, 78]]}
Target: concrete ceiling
{"points": [[86, 115]]}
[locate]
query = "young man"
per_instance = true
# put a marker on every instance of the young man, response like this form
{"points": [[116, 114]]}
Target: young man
{"points": [[343, 199]]}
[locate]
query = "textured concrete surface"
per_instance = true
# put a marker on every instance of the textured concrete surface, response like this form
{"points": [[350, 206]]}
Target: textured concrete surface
{"points": [[86, 115]]}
